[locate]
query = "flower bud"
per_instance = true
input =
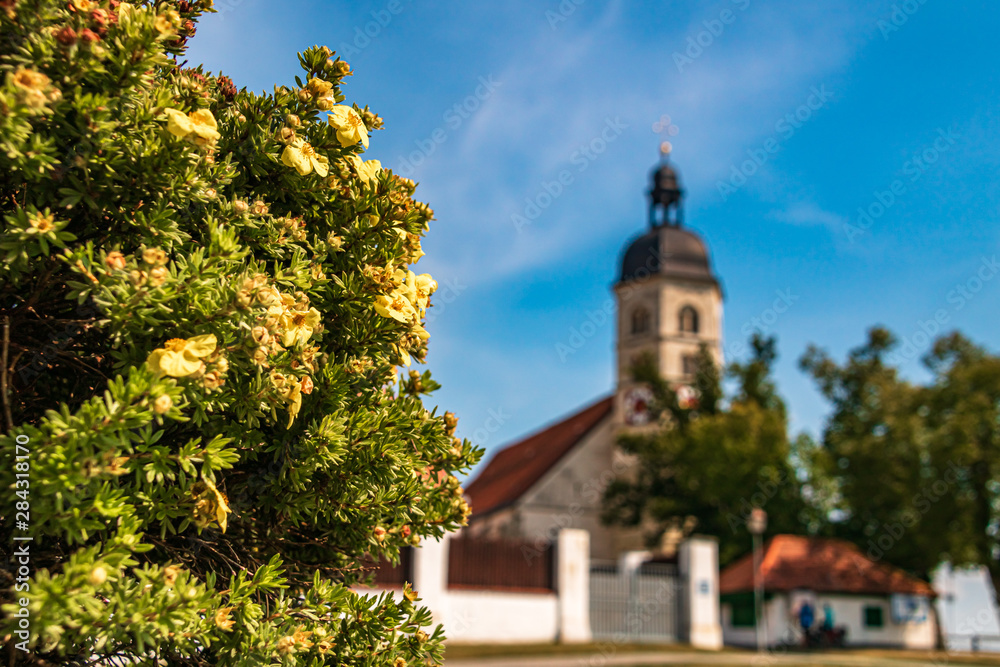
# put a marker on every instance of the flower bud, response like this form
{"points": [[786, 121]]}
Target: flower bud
{"points": [[115, 261], [158, 276], [163, 404], [240, 206], [260, 335], [154, 256], [304, 95], [291, 120], [306, 385], [97, 576], [379, 533], [66, 36]]}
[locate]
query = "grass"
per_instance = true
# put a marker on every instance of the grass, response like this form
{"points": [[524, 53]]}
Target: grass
{"points": [[463, 651], [851, 657]]}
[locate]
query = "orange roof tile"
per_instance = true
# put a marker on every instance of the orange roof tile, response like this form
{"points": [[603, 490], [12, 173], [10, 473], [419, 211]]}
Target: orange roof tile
{"points": [[793, 562], [515, 469]]}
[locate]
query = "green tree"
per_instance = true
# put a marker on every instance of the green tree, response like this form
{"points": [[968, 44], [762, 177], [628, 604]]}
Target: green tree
{"points": [[707, 464], [874, 444], [913, 466], [962, 409], [206, 296]]}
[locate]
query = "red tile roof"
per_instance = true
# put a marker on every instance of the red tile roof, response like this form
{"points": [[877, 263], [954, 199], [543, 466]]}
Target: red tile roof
{"points": [[823, 565], [515, 469]]}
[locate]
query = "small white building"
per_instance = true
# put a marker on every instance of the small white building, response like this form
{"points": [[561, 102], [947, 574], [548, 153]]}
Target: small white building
{"points": [[876, 603]]}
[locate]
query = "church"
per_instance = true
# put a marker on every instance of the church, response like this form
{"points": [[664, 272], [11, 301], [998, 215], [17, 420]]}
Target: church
{"points": [[668, 303]]}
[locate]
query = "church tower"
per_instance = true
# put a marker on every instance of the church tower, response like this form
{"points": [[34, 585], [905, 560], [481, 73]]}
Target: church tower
{"points": [[669, 300]]}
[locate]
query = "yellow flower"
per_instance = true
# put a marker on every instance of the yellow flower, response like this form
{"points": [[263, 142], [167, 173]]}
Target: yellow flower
{"points": [[404, 356], [368, 171], [396, 306], [166, 21], [426, 285], [294, 397], [198, 127], [350, 128], [302, 638], [179, 357], [29, 79], [286, 644], [299, 326], [399, 662], [324, 646], [305, 159], [222, 619], [170, 573], [42, 222], [210, 504], [319, 87]]}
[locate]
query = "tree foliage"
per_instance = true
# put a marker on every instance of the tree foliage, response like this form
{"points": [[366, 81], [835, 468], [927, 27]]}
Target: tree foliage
{"points": [[707, 464], [914, 467], [206, 296]]}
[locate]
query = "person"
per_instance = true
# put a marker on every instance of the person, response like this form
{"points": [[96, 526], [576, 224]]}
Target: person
{"points": [[806, 619], [827, 617]]}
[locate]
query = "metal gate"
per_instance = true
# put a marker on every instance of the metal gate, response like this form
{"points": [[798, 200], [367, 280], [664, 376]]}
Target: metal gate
{"points": [[640, 605]]}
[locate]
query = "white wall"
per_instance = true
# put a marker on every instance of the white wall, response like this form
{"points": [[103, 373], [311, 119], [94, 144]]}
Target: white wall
{"points": [[496, 616], [848, 611]]}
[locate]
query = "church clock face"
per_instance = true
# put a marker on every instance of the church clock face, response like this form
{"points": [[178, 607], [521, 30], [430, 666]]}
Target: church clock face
{"points": [[687, 397], [637, 401]]}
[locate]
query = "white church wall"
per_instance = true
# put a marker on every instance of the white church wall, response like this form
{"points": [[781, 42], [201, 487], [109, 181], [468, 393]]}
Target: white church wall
{"points": [[570, 494]]}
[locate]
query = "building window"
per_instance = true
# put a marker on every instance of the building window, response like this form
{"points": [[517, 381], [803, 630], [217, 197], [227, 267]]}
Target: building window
{"points": [[743, 613], [873, 617], [689, 365], [640, 321], [688, 320]]}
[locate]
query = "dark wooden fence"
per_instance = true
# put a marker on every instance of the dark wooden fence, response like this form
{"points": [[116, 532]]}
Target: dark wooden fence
{"points": [[500, 565], [394, 576]]}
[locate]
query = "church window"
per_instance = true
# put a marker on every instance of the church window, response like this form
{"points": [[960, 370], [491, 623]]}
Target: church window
{"points": [[688, 320], [640, 321], [689, 365]]}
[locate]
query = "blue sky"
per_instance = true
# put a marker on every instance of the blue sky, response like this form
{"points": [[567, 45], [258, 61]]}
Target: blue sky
{"points": [[904, 97]]}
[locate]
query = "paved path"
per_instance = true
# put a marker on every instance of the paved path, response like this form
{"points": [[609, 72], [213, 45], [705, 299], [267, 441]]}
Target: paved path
{"points": [[681, 658]]}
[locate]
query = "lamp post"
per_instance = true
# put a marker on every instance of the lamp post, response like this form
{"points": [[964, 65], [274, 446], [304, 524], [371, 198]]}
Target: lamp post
{"points": [[757, 524]]}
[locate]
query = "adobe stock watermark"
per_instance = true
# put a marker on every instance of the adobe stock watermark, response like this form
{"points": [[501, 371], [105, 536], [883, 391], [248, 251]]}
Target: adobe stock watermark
{"points": [[446, 294], [595, 319], [365, 35], [914, 344], [223, 7], [581, 158], [704, 39], [491, 425], [453, 119], [920, 505], [590, 493], [900, 14], [764, 321], [913, 170], [766, 490], [784, 129], [565, 9]]}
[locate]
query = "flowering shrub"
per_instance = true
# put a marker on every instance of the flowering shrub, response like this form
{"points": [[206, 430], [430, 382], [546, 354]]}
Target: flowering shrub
{"points": [[206, 297]]}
